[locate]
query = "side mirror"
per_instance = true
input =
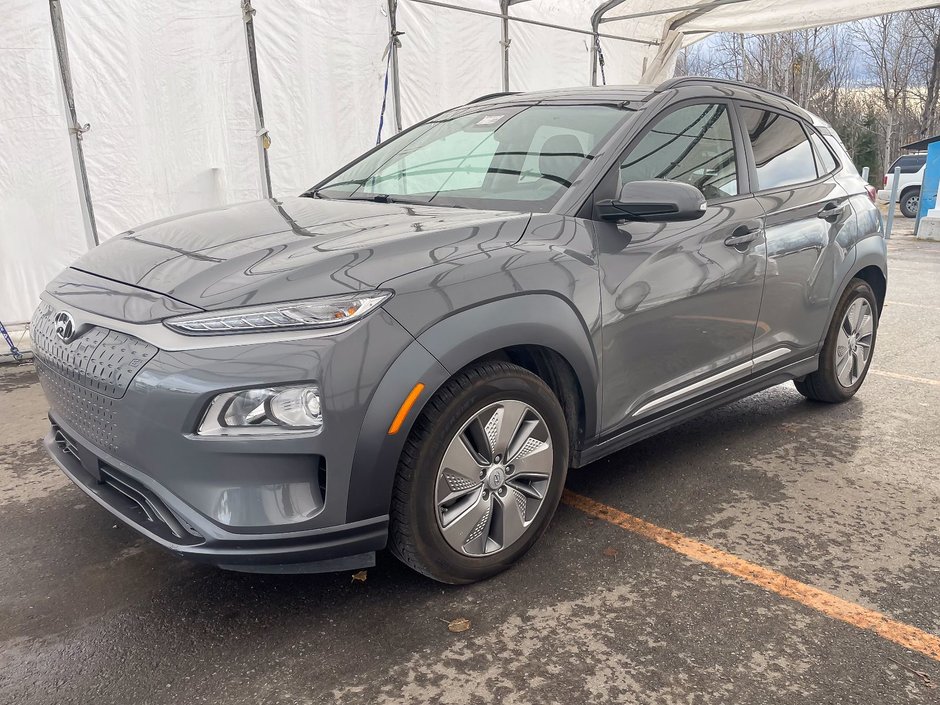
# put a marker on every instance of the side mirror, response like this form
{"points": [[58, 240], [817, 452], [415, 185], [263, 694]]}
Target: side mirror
{"points": [[654, 202]]}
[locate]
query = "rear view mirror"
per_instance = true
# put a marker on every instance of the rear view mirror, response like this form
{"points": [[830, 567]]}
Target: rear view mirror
{"points": [[655, 201]]}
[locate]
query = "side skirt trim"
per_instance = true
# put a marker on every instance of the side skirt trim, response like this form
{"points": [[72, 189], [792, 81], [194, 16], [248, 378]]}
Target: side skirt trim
{"points": [[645, 428], [702, 384]]}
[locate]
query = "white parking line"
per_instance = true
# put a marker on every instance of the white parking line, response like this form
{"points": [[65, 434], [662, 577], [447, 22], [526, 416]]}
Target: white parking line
{"points": [[905, 303], [906, 378]]}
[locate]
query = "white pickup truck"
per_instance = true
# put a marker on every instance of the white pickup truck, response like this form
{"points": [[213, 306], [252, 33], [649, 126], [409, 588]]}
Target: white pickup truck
{"points": [[912, 176]]}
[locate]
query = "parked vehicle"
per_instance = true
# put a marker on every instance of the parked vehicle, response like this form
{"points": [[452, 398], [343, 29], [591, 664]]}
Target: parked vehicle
{"points": [[415, 351], [912, 168]]}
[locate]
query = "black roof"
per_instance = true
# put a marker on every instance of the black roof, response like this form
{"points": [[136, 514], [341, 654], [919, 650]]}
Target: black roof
{"points": [[641, 93], [921, 145]]}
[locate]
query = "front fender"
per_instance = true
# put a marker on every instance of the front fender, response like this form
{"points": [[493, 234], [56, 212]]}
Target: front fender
{"points": [[441, 351], [542, 319]]}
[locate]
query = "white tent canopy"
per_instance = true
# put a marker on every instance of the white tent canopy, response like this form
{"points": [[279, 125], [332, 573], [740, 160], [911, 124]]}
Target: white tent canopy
{"points": [[168, 92]]}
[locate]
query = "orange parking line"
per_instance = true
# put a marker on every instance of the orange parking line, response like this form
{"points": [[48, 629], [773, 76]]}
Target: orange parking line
{"points": [[835, 607]]}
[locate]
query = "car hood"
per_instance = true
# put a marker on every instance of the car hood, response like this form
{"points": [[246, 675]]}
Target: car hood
{"points": [[280, 250]]}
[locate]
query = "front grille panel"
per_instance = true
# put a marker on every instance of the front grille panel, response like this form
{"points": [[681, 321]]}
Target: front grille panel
{"points": [[99, 360], [91, 414], [84, 379]]}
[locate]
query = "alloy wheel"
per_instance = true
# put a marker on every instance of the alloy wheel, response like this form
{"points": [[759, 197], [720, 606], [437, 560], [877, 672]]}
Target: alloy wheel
{"points": [[853, 345], [493, 478], [912, 204]]}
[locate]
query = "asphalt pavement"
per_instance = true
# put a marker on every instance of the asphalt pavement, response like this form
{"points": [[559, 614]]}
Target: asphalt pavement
{"points": [[837, 501]]}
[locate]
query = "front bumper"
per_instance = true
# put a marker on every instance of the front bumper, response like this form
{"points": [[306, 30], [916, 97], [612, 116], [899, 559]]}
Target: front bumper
{"points": [[180, 531], [124, 414]]}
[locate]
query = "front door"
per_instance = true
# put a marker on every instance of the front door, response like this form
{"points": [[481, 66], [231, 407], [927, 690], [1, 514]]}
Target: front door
{"points": [[680, 301]]}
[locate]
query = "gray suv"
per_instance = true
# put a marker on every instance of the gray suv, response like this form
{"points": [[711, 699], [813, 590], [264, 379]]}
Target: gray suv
{"points": [[414, 352]]}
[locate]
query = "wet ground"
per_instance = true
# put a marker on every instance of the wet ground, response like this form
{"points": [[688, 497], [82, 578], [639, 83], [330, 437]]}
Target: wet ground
{"points": [[844, 499]]}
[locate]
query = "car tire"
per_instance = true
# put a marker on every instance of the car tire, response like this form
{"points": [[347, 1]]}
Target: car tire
{"points": [[459, 422], [848, 348], [910, 203]]}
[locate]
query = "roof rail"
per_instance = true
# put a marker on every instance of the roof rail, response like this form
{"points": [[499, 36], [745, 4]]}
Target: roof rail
{"points": [[695, 80], [490, 95]]}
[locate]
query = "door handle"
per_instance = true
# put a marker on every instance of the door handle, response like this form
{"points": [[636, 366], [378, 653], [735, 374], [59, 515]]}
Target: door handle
{"points": [[742, 237], [832, 210]]}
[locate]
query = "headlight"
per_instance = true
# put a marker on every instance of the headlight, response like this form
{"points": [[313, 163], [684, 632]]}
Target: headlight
{"points": [[266, 410], [312, 313]]}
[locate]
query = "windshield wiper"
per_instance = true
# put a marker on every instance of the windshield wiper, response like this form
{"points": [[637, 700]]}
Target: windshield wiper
{"points": [[385, 198], [374, 198]]}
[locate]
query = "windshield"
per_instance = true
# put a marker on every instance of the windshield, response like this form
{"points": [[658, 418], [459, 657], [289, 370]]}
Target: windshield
{"points": [[510, 157]]}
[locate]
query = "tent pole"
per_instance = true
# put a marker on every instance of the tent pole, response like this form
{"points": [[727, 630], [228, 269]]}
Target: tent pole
{"points": [[596, 18], [393, 60], [698, 7], [76, 130], [261, 132], [504, 41], [537, 23]]}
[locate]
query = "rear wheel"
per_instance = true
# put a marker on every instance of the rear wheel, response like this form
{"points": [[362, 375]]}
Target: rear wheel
{"points": [[480, 475], [910, 203], [848, 348]]}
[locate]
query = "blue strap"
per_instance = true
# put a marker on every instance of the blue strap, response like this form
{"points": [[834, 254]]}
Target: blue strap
{"points": [[17, 355], [388, 70]]}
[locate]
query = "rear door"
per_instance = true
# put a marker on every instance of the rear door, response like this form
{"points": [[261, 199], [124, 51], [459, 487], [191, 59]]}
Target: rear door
{"points": [[680, 300], [808, 222]]}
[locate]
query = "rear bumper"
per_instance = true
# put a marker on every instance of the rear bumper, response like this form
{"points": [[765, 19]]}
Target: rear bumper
{"points": [[156, 514]]}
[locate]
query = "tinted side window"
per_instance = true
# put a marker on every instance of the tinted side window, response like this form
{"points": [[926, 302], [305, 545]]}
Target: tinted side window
{"points": [[782, 152], [910, 164], [826, 162], [692, 145]]}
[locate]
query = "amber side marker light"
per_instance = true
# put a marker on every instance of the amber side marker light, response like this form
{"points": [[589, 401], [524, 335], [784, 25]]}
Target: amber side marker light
{"points": [[405, 408]]}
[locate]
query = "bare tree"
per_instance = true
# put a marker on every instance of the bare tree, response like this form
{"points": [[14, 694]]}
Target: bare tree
{"points": [[876, 81], [926, 24], [889, 44]]}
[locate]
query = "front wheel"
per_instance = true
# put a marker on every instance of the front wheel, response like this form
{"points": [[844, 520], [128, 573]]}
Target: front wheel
{"points": [[848, 348], [481, 474]]}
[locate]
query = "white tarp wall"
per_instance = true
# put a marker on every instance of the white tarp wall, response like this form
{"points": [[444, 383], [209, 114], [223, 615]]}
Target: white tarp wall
{"points": [[166, 88], [321, 71], [40, 217]]}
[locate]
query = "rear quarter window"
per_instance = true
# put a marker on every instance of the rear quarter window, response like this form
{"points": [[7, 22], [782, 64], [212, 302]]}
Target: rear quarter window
{"points": [[826, 163], [783, 155]]}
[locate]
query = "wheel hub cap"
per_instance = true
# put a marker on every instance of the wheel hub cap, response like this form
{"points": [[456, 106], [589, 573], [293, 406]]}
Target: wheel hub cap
{"points": [[493, 478], [496, 477], [854, 342]]}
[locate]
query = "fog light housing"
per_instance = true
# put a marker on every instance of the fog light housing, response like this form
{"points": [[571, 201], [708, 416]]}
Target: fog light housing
{"points": [[266, 410]]}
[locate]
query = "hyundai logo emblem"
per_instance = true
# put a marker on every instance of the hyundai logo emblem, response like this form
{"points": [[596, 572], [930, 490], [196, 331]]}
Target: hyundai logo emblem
{"points": [[64, 326]]}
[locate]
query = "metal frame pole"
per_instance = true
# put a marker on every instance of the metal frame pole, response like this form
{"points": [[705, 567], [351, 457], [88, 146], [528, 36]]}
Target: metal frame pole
{"points": [[504, 40], [697, 8], [394, 76], [537, 23], [892, 202], [261, 132], [76, 130], [596, 18]]}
